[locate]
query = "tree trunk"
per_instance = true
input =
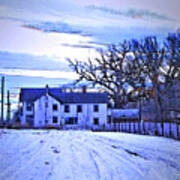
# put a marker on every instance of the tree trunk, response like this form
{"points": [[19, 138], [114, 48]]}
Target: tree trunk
{"points": [[157, 104], [158, 109], [139, 123], [117, 103]]}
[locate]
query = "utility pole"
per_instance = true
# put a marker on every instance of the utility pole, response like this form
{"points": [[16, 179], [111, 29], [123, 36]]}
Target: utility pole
{"points": [[140, 109], [8, 107], [2, 99]]}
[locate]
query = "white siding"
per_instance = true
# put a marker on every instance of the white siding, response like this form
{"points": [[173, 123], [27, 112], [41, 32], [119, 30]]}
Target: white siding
{"points": [[86, 117], [43, 116], [43, 113], [26, 113]]}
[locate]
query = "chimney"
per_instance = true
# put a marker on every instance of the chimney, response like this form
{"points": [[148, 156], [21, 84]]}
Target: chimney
{"points": [[64, 90], [47, 89], [84, 89]]}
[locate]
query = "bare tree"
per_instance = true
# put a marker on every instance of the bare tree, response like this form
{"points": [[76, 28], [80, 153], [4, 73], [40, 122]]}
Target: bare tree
{"points": [[125, 70], [108, 71], [157, 65]]}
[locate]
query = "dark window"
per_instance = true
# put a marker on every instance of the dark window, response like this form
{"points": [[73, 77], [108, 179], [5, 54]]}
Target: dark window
{"points": [[46, 104], [55, 119], [96, 121], [66, 108], [79, 108], [29, 107], [109, 119], [96, 108], [29, 119], [55, 107], [71, 120]]}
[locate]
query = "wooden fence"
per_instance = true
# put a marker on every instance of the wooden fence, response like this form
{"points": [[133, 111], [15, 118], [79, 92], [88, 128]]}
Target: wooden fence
{"points": [[166, 129]]}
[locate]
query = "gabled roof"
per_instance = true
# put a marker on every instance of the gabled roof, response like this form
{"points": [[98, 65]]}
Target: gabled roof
{"points": [[32, 94], [82, 97]]}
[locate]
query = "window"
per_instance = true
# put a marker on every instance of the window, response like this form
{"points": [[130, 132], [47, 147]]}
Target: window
{"points": [[71, 120], [55, 107], [109, 119], [79, 108], [66, 108], [29, 107], [96, 108], [29, 119], [96, 121], [55, 119], [46, 104]]}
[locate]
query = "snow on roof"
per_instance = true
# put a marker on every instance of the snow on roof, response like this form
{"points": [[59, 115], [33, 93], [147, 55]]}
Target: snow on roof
{"points": [[32, 94], [125, 113]]}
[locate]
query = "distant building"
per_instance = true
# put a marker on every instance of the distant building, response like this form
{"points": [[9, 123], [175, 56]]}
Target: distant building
{"points": [[170, 104], [171, 109], [119, 115], [50, 107]]}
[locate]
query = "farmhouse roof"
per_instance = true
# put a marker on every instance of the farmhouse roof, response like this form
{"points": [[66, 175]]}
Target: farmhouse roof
{"points": [[32, 94]]}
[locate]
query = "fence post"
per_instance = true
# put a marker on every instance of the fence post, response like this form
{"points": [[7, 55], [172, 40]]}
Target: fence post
{"points": [[162, 127], [122, 125], [170, 133], [114, 126], [130, 126], [177, 130], [125, 129]]}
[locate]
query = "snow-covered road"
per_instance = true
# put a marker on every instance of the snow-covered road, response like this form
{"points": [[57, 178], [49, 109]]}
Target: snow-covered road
{"points": [[81, 155]]}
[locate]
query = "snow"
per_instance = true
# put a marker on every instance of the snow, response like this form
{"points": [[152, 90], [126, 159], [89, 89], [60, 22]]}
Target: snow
{"points": [[53, 154]]}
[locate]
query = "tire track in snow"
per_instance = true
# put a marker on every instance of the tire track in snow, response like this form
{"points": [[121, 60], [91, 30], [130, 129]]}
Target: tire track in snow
{"points": [[96, 165], [29, 157], [93, 146], [67, 159], [100, 165], [150, 155], [82, 166], [10, 169]]}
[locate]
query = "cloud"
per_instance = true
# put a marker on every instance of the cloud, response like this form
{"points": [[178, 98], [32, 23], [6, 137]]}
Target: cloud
{"points": [[27, 61], [39, 73], [133, 13], [89, 45], [59, 27]]}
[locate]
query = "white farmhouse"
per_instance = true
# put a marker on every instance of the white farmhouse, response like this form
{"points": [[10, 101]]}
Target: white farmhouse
{"points": [[50, 107]]}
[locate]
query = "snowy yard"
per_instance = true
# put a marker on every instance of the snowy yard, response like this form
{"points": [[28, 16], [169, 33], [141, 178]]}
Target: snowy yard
{"points": [[81, 155]]}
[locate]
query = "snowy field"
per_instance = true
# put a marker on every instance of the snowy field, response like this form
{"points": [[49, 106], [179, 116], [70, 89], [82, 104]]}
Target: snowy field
{"points": [[81, 155]]}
